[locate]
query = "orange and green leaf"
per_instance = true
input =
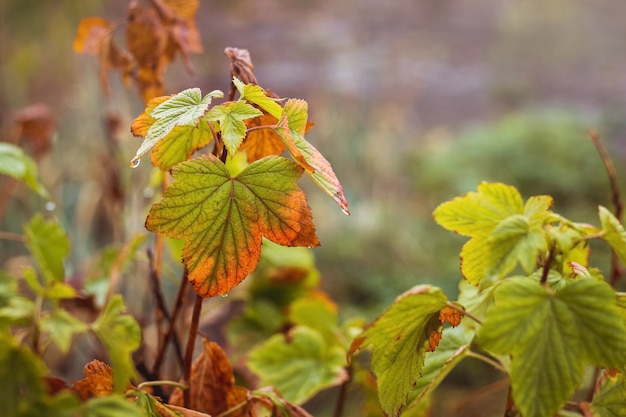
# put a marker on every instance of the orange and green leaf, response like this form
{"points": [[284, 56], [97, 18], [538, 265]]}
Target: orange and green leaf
{"points": [[223, 219], [294, 120]]}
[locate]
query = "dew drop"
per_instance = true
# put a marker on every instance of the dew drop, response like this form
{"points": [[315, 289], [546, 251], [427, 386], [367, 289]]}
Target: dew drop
{"points": [[224, 295], [345, 211], [135, 163], [50, 205]]}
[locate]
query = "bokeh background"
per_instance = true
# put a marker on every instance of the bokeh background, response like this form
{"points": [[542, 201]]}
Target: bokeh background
{"points": [[414, 102]]}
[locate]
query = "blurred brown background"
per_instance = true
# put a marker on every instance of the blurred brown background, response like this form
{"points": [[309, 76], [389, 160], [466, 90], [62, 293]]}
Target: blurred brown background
{"points": [[413, 103]]}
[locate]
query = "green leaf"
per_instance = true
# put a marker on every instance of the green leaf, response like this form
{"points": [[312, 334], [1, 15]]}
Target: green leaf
{"points": [[21, 374], [111, 406], [476, 301], [183, 109], [610, 400], [454, 346], [49, 245], [478, 213], [503, 231], [551, 336], [61, 326], [298, 365], [121, 335], [223, 219], [613, 233], [256, 95], [318, 312], [59, 290], [19, 311], [15, 163], [148, 404], [398, 340], [231, 119], [316, 166]]}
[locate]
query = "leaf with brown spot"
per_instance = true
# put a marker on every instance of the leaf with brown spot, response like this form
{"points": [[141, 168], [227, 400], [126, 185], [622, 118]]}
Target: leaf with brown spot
{"points": [[450, 315], [98, 381], [399, 339], [212, 385]]}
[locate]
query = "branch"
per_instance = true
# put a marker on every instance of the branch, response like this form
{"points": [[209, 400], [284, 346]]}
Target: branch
{"points": [[616, 272], [191, 339]]}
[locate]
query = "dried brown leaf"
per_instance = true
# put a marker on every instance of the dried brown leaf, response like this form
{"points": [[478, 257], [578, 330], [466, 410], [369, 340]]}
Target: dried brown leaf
{"points": [[212, 385], [98, 381], [34, 128], [90, 35], [241, 65]]}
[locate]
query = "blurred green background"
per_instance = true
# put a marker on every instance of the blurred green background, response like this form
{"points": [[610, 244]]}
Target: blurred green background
{"points": [[414, 102]]}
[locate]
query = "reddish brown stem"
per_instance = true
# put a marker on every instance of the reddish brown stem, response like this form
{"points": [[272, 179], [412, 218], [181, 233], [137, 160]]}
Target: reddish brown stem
{"points": [[616, 271], [343, 392], [170, 330], [191, 339], [546, 266]]}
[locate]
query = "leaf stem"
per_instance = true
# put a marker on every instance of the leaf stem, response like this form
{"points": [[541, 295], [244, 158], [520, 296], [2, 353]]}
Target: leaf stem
{"points": [[193, 331], [547, 264], [232, 409], [161, 383], [486, 359], [16, 237], [343, 392], [464, 312], [253, 128]]}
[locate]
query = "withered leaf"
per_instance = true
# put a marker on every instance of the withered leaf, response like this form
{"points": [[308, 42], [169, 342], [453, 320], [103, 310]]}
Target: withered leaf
{"points": [[98, 381], [241, 65], [34, 128], [212, 385]]}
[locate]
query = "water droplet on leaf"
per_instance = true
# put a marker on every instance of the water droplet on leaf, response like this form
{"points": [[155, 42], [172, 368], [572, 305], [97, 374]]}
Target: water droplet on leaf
{"points": [[224, 295], [135, 163], [345, 211], [50, 205]]}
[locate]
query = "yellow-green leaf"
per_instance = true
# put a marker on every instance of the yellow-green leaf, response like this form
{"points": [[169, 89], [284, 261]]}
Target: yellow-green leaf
{"points": [[231, 119], [614, 232], [15, 163], [478, 213], [49, 245]]}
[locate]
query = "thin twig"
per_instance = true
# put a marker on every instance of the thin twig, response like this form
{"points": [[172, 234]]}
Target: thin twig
{"points": [[16, 237], [616, 272], [610, 170], [170, 330], [191, 339]]}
